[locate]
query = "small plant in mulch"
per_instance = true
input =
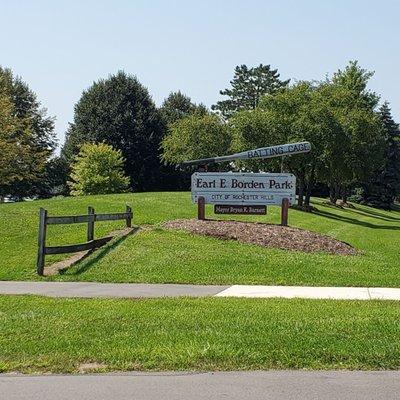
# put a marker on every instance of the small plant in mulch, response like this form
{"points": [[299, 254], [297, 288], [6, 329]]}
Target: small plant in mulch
{"points": [[266, 235]]}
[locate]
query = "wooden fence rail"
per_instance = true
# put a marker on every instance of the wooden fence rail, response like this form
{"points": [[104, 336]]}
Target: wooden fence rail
{"points": [[91, 243]]}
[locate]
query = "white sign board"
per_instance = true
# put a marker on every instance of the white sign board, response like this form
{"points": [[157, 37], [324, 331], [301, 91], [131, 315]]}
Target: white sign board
{"points": [[243, 188]]}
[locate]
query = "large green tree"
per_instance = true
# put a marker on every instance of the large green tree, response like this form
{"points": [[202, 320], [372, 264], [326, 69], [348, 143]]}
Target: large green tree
{"points": [[26, 137], [385, 185], [362, 141], [247, 87], [288, 116], [195, 137], [120, 112], [342, 127]]}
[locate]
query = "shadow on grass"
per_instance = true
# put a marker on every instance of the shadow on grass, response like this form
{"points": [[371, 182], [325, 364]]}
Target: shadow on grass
{"points": [[86, 263], [354, 221], [376, 214], [371, 213]]}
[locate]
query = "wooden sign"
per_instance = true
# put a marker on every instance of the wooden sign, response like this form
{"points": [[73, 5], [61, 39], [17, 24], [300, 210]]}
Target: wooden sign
{"points": [[239, 209], [231, 188]]}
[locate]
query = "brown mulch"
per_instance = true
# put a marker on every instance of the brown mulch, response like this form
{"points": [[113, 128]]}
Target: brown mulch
{"points": [[267, 235]]}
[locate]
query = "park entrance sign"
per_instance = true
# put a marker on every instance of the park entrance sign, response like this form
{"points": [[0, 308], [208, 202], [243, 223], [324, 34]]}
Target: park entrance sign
{"points": [[243, 193], [233, 188], [246, 193]]}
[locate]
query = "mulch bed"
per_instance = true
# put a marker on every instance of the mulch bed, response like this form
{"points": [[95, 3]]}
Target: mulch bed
{"points": [[266, 235]]}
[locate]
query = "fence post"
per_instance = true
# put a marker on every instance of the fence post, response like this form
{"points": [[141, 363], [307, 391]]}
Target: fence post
{"points": [[284, 212], [41, 241], [201, 208], [129, 218], [90, 226]]}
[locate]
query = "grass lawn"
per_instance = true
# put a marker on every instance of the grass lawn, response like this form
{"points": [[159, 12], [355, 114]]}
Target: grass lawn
{"points": [[39, 334], [158, 255]]}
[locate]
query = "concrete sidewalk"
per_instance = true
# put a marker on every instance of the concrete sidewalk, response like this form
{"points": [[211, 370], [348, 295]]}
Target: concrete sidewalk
{"points": [[312, 292], [143, 290], [250, 385], [117, 290]]}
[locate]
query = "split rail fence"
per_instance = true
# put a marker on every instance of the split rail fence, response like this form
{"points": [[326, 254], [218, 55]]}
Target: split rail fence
{"points": [[90, 218]]}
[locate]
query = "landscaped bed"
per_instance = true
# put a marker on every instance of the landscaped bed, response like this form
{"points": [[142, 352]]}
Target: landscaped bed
{"points": [[267, 235]]}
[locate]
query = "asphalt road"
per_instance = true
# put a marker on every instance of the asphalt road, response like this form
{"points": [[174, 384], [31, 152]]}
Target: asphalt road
{"points": [[265, 385]]}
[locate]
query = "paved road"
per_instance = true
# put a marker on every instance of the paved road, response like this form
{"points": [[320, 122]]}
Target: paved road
{"points": [[139, 290], [274, 385]]}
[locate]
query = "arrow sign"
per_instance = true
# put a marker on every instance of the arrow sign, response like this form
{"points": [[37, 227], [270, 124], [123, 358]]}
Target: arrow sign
{"points": [[263, 152]]}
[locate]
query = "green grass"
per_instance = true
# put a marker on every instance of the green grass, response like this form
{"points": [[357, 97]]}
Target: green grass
{"points": [[157, 255], [39, 334]]}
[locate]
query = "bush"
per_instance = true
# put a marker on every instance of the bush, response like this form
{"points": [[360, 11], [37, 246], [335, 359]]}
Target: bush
{"points": [[97, 169]]}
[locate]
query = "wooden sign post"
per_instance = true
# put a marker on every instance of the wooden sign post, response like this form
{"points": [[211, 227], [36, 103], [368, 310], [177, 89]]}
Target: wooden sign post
{"points": [[201, 208], [284, 212]]}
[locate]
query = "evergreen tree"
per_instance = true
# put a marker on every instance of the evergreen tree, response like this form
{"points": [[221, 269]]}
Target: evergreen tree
{"points": [[247, 87], [386, 185], [120, 112]]}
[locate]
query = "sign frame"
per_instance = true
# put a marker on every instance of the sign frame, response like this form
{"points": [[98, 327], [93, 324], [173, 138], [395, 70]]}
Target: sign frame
{"points": [[243, 188]]}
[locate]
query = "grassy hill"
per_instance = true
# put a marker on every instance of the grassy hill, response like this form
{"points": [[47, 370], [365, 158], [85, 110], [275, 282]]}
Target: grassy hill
{"points": [[40, 334], [158, 255]]}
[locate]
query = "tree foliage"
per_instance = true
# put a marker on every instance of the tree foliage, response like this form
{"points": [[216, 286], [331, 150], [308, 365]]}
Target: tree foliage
{"points": [[177, 106], [120, 112], [247, 87], [98, 169], [336, 116], [26, 137], [385, 185], [195, 137]]}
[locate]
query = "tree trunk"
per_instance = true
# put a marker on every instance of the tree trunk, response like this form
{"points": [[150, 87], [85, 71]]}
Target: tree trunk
{"points": [[301, 193], [309, 187], [344, 195], [333, 193], [308, 196]]}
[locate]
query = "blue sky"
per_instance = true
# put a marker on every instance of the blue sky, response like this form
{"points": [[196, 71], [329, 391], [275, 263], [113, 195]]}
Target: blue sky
{"points": [[60, 47]]}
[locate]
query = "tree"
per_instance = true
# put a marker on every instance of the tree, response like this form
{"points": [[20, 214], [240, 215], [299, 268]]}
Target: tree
{"points": [[195, 137], [355, 79], [385, 186], [344, 135], [288, 116], [98, 169], [247, 87], [354, 107], [26, 138], [54, 178], [177, 106], [120, 112]]}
